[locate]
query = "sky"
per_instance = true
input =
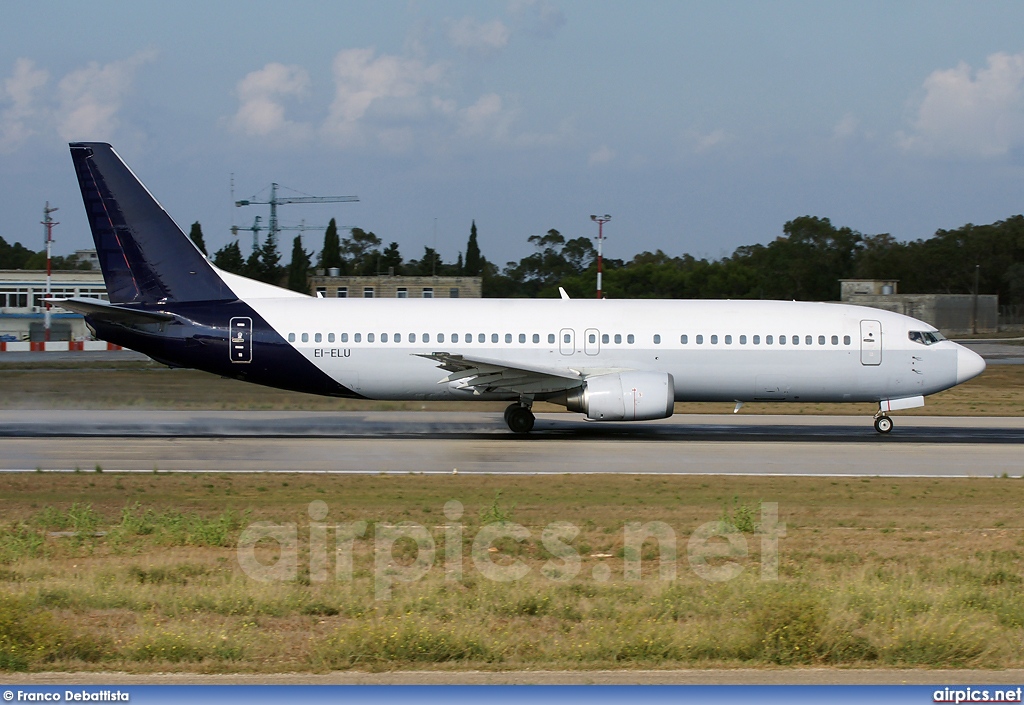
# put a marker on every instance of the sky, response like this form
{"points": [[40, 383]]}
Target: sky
{"points": [[698, 126]]}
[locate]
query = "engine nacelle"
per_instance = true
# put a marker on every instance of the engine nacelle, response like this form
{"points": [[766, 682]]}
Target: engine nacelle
{"points": [[626, 396]]}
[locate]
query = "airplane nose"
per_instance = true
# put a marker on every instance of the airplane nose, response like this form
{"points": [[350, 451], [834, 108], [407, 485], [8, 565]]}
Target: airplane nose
{"points": [[969, 364]]}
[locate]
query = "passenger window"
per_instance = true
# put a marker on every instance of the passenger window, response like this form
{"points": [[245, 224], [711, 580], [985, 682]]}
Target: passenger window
{"points": [[426, 337], [714, 340], [383, 337], [809, 340], [835, 340], [305, 337], [291, 337], [728, 340], [657, 339], [782, 340], [846, 340], [412, 337], [494, 338], [358, 337], [821, 340], [604, 337], [700, 340], [630, 339], [768, 340], [344, 337], [796, 340], [398, 337], [743, 340], [440, 338], [593, 338], [683, 339], [330, 337], [522, 337], [757, 340], [369, 337], [551, 338], [482, 338], [536, 337], [455, 338]]}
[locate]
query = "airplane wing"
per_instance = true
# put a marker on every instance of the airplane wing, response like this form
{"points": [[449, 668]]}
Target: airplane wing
{"points": [[480, 375], [107, 311]]}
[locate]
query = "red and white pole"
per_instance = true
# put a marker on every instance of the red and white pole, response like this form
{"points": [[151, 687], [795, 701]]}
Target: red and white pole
{"points": [[48, 222], [600, 220]]}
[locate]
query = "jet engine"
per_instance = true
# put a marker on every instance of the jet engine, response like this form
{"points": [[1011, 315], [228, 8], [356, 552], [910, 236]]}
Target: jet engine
{"points": [[625, 396]]}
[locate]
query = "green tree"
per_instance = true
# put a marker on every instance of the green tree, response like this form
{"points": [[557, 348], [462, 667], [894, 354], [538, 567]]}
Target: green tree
{"points": [[361, 248], [270, 261], [391, 259], [196, 235], [472, 266], [229, 258], [298, 269], [330, 255], [430, 264]]}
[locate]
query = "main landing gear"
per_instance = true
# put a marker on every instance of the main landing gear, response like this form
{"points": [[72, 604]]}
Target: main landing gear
{"points": [[883, 424], [519, 418]]}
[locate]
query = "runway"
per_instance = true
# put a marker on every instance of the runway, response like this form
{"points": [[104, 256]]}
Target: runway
{"points": [[405, 442]]}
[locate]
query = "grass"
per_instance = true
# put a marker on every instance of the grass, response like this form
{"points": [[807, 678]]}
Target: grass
{"points": [[872, 572], [118, 385]]}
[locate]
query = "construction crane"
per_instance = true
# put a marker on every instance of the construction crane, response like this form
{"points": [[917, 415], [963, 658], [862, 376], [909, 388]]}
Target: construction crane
{"points": [[274, 202]]}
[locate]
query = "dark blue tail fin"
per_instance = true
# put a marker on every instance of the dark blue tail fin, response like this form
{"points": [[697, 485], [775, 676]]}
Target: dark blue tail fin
{"points": [[144, 255]]}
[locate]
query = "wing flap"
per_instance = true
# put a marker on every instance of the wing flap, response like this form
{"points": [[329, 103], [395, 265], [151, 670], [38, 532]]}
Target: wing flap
{"points": [[485, 375]]}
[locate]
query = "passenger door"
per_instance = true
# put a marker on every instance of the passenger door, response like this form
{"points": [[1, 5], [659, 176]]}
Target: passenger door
{"points": [[870, 343], [592, 341]]}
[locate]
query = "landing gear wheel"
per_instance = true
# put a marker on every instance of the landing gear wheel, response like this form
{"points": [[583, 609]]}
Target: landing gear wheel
{"points": [[519, 419], [883, 424]]}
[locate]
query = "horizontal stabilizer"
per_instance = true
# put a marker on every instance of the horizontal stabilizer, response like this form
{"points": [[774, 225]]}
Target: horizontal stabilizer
{"points": [[104, 311]]}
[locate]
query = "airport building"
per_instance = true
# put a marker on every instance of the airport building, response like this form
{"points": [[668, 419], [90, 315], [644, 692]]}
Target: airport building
{"points": [[22, 311], [393, 286], [953, 314]]}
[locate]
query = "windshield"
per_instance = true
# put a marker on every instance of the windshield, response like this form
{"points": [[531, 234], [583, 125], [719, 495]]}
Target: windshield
{"points": [[926, 337]]}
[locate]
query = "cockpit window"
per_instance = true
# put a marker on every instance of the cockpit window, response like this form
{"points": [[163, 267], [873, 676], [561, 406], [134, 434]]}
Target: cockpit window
{"points": [[926, 337]]}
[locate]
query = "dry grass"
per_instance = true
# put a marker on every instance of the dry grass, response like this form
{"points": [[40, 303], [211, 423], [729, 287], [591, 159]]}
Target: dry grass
{"points": [[998, 392], [879, 571]]}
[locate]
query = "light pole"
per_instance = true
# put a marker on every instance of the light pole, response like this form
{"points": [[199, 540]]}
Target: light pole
{"points": [[600, 220], [48, 223]]}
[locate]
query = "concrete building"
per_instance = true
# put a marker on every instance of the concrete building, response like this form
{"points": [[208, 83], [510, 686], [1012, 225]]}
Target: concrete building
{"points": [[953, 314], [391, 286], [22, 312]]}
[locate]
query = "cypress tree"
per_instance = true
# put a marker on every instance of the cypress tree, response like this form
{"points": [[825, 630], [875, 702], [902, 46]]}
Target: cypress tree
{"points": [[472, 265], [298, 270], [330, 255], [196, 234]]}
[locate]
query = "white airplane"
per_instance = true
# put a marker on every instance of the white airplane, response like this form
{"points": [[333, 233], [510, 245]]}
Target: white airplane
{"points": [[610, 360]]}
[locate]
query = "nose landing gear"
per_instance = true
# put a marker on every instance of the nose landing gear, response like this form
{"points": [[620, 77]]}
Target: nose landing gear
{"points": [[519, 418]]}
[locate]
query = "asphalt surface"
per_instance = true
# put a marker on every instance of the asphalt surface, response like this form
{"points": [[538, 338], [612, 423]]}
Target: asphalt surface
{"points": [[446, 442]]}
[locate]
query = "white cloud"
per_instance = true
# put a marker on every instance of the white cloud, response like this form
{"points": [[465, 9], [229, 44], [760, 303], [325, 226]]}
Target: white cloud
{"points": [[479, 38], [601, 155], [372, 93], [705, 142], [21, 89], [90, 98], [846, 128], [486, 117], [970, 113], [538, 16], [261, 111]]}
